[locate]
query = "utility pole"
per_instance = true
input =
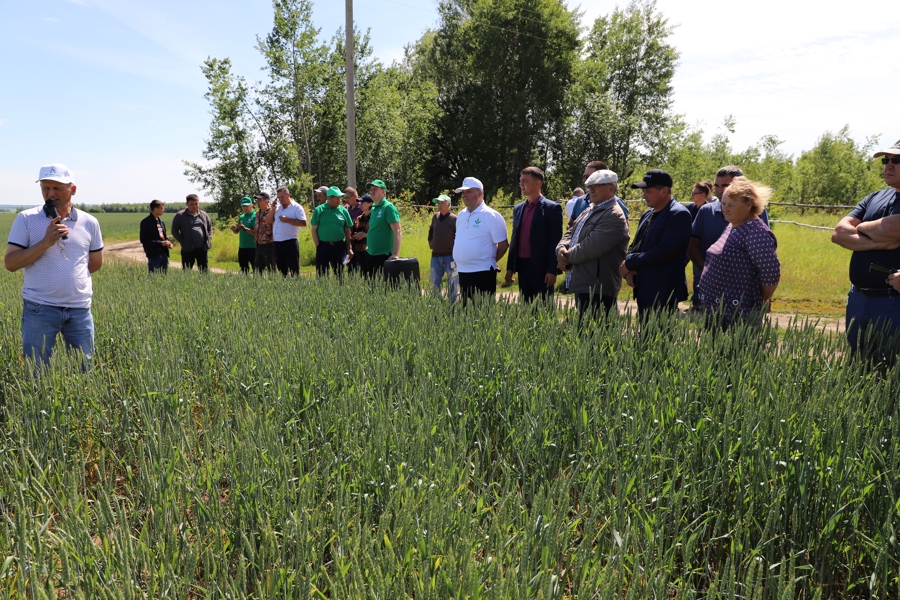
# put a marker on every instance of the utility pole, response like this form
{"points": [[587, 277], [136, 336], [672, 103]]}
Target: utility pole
{"points": [[351, 99]]}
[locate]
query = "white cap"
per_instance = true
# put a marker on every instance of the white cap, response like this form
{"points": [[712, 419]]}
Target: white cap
{"points": [[893, 150], [602, 176], [57, 172], [468, 184]]}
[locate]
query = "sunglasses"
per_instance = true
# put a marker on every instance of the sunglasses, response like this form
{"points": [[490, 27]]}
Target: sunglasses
{"points": [[891, 159]]}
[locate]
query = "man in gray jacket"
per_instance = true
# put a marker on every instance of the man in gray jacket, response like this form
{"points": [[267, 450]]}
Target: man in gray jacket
{"points": [[595, 246], [192, 229]]}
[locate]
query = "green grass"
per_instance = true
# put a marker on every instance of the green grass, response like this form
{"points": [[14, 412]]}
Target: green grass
{"points": [[299, 439]]}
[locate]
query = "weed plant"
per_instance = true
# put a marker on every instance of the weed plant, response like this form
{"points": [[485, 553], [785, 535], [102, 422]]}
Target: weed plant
{"points": [[270, 438]]}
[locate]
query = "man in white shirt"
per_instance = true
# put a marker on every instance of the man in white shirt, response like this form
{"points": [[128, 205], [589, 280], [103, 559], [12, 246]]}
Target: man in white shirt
{"points": [[289, 218], [59, 248], [481, 240]]}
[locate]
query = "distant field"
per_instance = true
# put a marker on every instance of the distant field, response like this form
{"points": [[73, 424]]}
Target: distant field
{"points": [[814, 271]]}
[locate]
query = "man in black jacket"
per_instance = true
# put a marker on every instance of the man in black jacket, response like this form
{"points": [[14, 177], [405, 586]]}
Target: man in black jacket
{"points": [[153, 238]]}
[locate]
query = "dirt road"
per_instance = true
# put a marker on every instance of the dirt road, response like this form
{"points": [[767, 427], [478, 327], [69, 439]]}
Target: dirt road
{"points": [[133, 252]]}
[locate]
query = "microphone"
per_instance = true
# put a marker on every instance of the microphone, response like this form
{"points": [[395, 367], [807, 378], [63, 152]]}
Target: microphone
{"points": [[50, 211]]}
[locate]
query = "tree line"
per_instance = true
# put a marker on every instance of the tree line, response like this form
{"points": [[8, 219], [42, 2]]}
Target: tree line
{"points": [[496, 86]]}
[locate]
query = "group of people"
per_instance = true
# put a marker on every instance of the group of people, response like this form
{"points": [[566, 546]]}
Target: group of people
{"points": [[726, 237]]}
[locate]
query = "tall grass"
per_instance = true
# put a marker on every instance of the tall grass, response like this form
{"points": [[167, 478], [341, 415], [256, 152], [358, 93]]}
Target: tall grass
{"points": [[272, 438]]}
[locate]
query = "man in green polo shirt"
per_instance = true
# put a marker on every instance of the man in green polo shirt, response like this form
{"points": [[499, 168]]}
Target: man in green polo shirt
{"points": [[384, 235], [246, 242], [330, 227]]}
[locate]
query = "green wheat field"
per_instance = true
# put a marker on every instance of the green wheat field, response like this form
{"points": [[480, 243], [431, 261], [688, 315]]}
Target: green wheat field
{"points": [[268, 438]]}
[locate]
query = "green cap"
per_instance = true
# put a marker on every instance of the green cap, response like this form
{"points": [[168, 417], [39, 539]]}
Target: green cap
{"points": [[441, 198], [334, 191], [377, 183], [246, 201]]}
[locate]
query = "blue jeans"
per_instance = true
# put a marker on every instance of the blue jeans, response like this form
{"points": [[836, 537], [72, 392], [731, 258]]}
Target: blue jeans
{"points": [[159, 263], [41, 323], [873, 325], [440, 266]]}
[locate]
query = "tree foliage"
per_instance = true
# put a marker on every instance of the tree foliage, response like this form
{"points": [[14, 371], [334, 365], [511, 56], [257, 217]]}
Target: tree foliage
{"points": [[619, 104], [496, 86], [501, 69]]}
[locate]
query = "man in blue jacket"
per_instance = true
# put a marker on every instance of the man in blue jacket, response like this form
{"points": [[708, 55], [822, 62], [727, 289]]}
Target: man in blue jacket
{"points": [[537, 229], [654, 265]]}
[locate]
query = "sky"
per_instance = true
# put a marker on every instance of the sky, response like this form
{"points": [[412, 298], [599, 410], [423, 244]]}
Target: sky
{"points": [[113, 88]]}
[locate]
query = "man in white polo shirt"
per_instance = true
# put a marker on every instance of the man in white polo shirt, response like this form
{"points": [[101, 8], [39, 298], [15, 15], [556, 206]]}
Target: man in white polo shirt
{"points": [[58, 247], [289, 218], [480, 242]]}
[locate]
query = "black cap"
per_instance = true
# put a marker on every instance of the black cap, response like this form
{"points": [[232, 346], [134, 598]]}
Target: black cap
{"points": [[653, 178], [366, 198], [262, 195]]}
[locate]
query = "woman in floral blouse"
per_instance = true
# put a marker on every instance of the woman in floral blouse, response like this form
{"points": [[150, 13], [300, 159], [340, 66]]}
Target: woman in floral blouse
{"points": [[742, 269]]}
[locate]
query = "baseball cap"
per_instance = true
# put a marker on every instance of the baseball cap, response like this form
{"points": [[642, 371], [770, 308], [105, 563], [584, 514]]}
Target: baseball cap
{"points": [[377, 183], [653, 178], [441, 198], [895, 149], [264, 195], [602, 176], [56, 172], [246, 201], [366, 198], [334, 191], [323, 189], [468, 184]]}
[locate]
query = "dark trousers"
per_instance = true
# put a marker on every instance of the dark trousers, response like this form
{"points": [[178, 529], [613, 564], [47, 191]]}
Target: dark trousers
{"points": [[265, 258], [375, 263], [200, 256], [479, 282], [158, 263], [330, 254], [356, 263], [647, 303], [873, 326], [360, 262], [287, 257], [531, 281], [246, 258], [592, 302]]}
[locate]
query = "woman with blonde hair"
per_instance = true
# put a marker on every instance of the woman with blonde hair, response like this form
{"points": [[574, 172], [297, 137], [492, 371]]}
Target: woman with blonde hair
{"points": [[742, 269]]}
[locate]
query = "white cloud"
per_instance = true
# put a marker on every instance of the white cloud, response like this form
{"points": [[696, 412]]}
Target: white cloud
{"points": [[2, 122]]}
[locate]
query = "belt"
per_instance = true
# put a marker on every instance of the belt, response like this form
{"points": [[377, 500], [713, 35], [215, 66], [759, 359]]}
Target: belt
{"points": [[342, 242], [874, 292]]}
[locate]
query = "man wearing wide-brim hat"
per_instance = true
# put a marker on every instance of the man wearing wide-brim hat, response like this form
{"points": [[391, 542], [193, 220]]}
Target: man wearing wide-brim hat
{"points": [[441, 234], [872, 232]]}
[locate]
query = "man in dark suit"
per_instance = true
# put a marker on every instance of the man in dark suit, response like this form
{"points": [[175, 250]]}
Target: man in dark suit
{"points": [[537, 229], [654, 265]]}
